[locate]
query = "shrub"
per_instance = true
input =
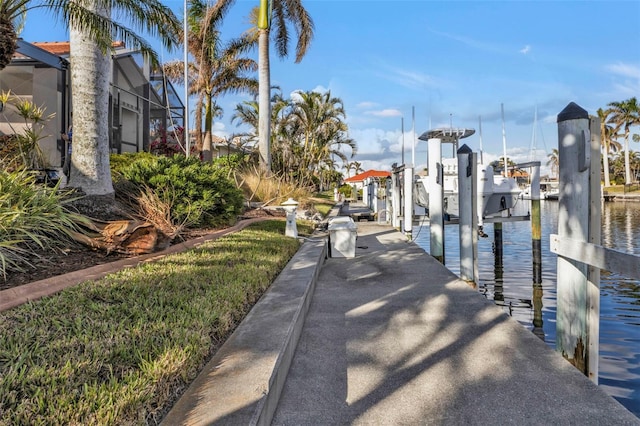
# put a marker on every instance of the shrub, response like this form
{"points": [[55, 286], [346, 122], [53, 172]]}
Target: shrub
{"points": [[201, 195], [32, 217]]}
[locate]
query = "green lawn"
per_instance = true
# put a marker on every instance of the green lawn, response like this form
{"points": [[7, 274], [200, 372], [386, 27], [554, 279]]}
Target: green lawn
{"points": [[120, 349]]}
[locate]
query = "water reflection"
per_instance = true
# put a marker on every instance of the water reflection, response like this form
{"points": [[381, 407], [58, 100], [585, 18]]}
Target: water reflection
{"points": [[507, 278]]}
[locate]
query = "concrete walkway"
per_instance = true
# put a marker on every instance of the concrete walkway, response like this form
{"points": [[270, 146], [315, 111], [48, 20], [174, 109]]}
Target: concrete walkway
{"points": [[393, 338]]}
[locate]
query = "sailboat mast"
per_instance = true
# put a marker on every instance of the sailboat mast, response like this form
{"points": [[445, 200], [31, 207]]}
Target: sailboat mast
{"points": [[480, 134], [504, 142], [413, 136], [402, 131]]}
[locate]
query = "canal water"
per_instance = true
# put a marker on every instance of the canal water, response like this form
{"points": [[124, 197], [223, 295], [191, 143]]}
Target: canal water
{"points": [[510, 285]]}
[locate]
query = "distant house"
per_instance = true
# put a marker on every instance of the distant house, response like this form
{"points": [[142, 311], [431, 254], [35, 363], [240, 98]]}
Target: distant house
{"points": [[362, 179], [142, 103]]}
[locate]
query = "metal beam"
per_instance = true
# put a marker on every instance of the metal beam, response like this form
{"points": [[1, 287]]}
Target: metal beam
{"points": [[41, 55]]}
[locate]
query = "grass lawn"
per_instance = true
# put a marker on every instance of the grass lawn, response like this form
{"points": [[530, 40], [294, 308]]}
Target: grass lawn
{"points": [[121, 349]]}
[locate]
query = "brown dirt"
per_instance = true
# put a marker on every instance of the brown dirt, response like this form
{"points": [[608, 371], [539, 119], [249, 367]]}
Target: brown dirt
{"points": [[47, 264]]}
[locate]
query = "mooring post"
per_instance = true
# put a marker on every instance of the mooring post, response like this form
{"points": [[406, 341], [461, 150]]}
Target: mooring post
{"points": [[467, 213], [595, 237], [435, 191], [536, 227], [395, 199], [408, 201], [574, 316], [388, 191]]}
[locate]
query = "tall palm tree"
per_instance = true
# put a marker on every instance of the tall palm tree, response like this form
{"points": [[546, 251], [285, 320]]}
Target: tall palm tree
{"points": [[554, 162], [92, 31], [624, 115], [606, 133], [279, 14], [217, 69]]}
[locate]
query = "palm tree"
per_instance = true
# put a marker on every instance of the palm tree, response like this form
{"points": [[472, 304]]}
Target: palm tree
{"points": [[606, 133], [216, 69], [554, 162], [279, 13], [624, 115], [92, 31], [318, 120], [12, 13]]}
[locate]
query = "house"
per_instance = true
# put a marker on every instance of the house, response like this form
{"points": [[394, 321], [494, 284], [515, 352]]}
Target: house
{"points": [[142, 103], [362, 179]]}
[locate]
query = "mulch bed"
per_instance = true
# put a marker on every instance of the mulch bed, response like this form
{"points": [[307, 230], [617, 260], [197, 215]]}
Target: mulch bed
{"points": [[51, 263]]}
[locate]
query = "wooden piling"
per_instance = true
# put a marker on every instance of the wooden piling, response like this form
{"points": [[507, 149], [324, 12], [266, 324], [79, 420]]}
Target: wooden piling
{"points": [[408, 201], [467, 213], [574, 314], [435, 191]]}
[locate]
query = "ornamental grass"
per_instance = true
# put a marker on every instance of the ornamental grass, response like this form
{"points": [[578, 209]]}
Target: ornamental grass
{"points": [[120, 350]]}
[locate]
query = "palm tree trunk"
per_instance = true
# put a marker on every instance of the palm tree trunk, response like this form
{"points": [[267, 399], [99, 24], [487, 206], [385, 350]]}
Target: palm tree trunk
{"points": [[627, 162], [264, 101], [90, 71], [605, 163], [207, 156]]}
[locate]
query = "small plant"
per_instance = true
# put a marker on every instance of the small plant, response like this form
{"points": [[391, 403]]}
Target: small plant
{"points": [[22, 149]]}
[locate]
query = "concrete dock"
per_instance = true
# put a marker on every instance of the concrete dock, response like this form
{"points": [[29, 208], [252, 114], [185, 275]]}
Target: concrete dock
{"points": [[388, 337]]}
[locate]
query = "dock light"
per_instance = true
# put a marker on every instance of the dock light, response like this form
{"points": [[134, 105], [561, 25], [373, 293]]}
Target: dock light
{"points": [[290, 207]]}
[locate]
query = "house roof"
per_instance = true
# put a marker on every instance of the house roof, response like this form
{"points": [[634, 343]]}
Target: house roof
{"points": [[61, 48], [368, 174]]}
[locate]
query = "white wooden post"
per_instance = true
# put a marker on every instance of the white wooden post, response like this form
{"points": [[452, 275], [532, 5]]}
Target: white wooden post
{"points": [[408, 201], [574, 316], [395, 199], [435, 191], [467, 206], [595, 237]]}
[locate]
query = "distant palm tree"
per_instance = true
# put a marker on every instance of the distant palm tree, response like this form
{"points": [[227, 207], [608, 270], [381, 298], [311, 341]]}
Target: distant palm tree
{"points": [[606, 133], [322, 131], [216, 69], [624, 115], [554, 162]]}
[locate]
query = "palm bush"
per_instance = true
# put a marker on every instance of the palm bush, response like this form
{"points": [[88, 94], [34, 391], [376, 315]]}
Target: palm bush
{"points": [[200, 194]]}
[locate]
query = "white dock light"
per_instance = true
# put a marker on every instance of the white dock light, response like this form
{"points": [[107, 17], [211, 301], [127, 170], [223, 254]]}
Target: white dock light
{"points": [[290, 207]]}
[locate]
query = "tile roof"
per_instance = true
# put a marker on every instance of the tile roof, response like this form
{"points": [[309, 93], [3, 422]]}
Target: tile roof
{"points": [[368, 174]]}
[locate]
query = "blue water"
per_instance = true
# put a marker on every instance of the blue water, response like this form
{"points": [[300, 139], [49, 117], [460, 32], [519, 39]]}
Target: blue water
{"points": [[511, 287]]}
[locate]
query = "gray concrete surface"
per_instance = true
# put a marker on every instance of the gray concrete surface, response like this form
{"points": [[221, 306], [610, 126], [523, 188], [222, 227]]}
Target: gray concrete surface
{"points": [[393, 338]]}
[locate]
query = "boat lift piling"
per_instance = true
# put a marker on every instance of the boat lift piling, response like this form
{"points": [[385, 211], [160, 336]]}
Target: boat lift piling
{"points": [[468, 225], [435, 191], [435, 138], [578, 297]]}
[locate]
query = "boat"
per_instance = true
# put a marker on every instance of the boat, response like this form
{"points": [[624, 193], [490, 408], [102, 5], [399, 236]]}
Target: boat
{"points": [[496, 193], [549, 190]]}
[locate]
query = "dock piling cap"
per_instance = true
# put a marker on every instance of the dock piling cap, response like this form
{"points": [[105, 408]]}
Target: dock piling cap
{"points": [[572, 111], [446, 134]]}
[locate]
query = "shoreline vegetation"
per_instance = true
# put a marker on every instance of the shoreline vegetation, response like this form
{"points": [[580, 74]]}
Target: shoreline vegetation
{"points": [[122, 349]]}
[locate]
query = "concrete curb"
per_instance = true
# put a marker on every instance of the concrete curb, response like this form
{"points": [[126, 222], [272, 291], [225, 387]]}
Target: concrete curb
{"points": [[242, 383]]}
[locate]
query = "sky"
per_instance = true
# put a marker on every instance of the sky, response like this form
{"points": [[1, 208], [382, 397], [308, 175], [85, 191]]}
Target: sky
{"points": [[404, 67]]}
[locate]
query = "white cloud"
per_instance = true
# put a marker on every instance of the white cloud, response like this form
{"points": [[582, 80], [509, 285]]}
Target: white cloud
{"points": [[626, 79], [624, 70], [389, 112], [525, 49]]}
